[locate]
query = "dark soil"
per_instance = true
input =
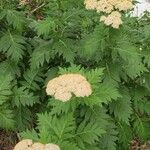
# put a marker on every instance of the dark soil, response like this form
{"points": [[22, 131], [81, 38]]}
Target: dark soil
{"points": [[7, 140]]}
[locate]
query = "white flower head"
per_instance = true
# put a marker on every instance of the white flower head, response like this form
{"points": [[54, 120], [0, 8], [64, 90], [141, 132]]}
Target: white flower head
{"points": [[64, 86]]}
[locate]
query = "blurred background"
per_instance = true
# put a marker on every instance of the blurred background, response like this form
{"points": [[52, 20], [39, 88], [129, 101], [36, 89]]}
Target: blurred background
{"points": [[143, 5]]}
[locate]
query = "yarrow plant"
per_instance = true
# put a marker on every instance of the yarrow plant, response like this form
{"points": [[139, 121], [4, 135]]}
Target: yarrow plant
{"points": [[69, 80], [111, 8]]}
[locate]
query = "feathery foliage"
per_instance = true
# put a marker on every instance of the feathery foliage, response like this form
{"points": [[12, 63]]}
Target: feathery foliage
{"points": [[44, 39]]}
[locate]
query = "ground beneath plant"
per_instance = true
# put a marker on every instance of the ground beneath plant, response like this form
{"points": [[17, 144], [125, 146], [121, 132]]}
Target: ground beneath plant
{"points": [[7, 140]]}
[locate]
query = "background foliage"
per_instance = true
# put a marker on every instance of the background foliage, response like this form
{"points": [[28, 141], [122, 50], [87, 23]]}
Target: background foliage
{"points": [[47, 38]]}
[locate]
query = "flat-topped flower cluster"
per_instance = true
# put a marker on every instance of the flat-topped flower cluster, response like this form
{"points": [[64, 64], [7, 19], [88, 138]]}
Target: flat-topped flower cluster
{"points": [[64, 86], [28, 144], [111, 8]]}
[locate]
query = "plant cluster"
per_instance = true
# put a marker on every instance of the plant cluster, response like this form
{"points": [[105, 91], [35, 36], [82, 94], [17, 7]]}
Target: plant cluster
{"points": [[43, 41]]}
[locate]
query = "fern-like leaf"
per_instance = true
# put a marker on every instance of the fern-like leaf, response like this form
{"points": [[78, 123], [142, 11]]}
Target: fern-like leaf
{"points": [[5, 87], [108, 140], [122, 107], [41, 53], [6, 117], [32, 79], [22, 96], [44, 27], [13, 46], [88, 133], [14, 18]]}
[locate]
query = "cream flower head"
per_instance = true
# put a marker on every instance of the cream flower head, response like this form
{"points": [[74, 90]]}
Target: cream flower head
{"points": [[29, 145], [51, 146], [23, 2], [113, 19], [90, 4], [64, 86], [23, 145], [124, 5], [38, 146], [110, 8], [104, 6]]}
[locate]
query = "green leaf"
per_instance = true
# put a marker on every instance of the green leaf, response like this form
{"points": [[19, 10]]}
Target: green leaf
{"points": [[88, 133], [59, 107], [135, 68], [72, 69], [5, 87], [93, 43], [93, 76], [60, 128], [147, 81], [32, 79], [147, 60], [122, 107], [125, 135], [41, 54], [14, 18], [69, 146], [23, 118], [146, 31], [65, 48], [141, 102], [30, 135], [130, 54], [141, 127], [108, 140], [44, 27], [107, 93], [9, 67], [22, 96], [13, 46], [6, 117]]}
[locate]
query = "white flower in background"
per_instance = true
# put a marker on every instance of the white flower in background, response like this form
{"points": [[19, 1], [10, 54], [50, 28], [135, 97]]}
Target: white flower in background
{"points": [[141, 7], [64, 86]]}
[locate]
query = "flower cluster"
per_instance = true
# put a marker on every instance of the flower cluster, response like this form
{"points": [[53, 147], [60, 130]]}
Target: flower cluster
{"points": [[113, 19], [29, 145], [111, 8], [64, 86], [23, 2]]}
